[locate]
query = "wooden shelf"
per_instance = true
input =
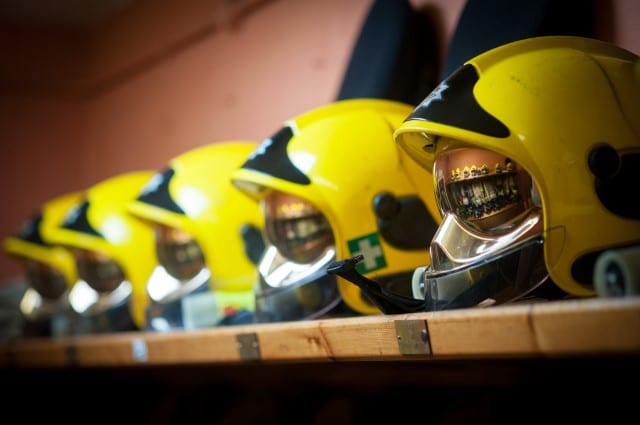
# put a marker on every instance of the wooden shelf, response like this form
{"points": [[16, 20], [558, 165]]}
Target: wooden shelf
{"points": [[584, 327]]}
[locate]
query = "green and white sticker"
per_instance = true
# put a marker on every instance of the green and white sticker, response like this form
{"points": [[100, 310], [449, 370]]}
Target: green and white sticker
{"points": [[370, 248]]}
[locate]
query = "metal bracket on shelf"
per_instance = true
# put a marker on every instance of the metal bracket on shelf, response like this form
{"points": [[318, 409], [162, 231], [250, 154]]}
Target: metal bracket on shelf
{"points": [[413, 336], [139, 350], [248, 346]]}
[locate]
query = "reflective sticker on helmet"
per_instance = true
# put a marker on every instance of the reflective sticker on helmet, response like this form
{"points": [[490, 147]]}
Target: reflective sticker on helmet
{"points": [[370, 248], [272, 158], [77, 219], [444, 103], [30, 230], [156, 192]]}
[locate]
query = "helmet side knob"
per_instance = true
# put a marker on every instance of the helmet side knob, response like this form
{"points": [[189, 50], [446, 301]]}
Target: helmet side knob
{"points": [[604, 161]]}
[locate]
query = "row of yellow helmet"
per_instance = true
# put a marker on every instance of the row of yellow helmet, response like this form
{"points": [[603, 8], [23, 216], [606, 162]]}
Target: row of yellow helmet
{"points": [[350, 208]]}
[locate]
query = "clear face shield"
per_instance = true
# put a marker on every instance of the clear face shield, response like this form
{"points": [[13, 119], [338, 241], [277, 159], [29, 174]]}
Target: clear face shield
{"points": [[101, 295], [489, 248], [293, 282]]}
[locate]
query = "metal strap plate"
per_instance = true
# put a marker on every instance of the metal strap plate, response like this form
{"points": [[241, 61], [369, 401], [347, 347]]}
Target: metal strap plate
{"points": [[413, 336], [248, 346]]}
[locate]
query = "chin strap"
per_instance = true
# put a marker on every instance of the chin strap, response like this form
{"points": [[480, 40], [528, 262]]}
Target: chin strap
{"points": [[387, 302]]}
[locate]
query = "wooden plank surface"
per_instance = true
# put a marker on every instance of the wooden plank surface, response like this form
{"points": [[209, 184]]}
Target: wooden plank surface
{"points": [[588, 326], [505, 330], [38, 352], [571, 327]]}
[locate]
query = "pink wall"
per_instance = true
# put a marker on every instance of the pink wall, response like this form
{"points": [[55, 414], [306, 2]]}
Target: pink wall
{"points": [[166, 77]]}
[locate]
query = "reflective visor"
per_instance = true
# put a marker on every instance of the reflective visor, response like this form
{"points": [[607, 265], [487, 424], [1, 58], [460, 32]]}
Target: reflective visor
{"points": [[181, 275], [101, 295], [289, 291], [486, 191], [170, 310], [489, 247], [178, 252], [293, 282], [296, 227], [181, 266], [502, 278], [102, 312], [98, 270], [45, 279]]}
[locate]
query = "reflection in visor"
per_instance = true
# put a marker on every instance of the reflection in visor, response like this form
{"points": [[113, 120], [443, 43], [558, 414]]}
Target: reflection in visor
{"points": [[46, 294], [98, 270], [485, 190], [162, 287], [296, 227], [289, 291], [170, 301], [178, 252], [101, 312], [181, 267], [35, 307], [88, 302], [193, 304], [180, 277], [101, 295], [501, 278], [180, 288], [48, 281], [293, 282], [489, 247]]}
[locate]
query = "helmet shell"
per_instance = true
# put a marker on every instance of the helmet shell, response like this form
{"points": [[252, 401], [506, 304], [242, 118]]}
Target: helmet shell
{"points": [[200, 199], [102, 223], [50, 269], [340, 157], [565, 108], [31, 241]]}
